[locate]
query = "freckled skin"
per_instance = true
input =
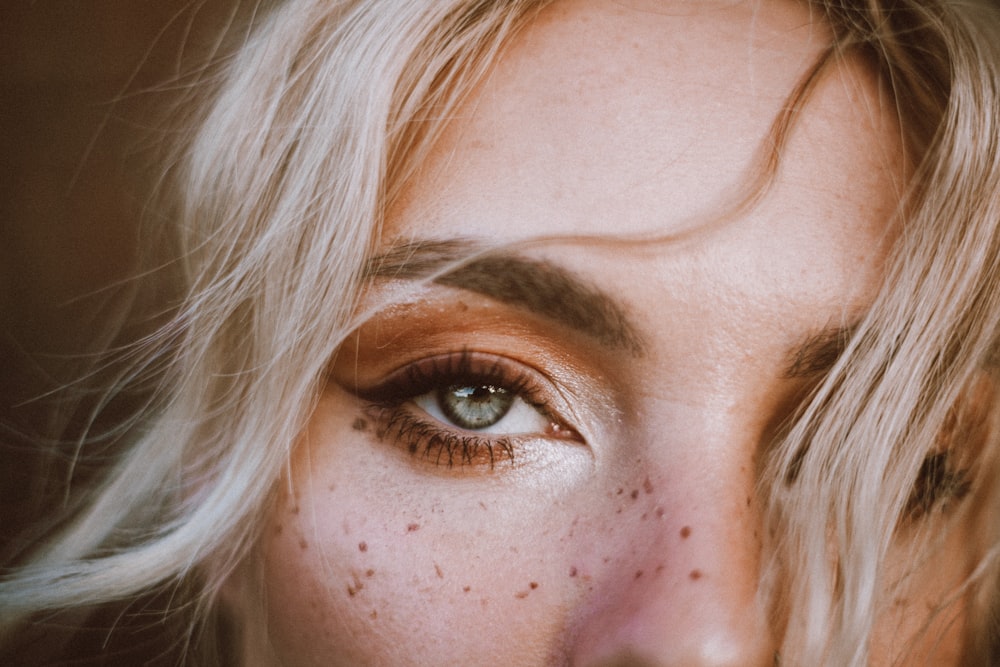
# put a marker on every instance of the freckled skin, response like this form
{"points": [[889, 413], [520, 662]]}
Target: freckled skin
{"points": [[641, 117]]}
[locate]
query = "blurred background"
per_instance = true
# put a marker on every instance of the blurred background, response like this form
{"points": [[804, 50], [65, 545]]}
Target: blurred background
{"points": [[86, 92]]}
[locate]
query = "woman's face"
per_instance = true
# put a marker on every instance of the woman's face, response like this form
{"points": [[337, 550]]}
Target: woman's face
{"points": [[551, 458]]}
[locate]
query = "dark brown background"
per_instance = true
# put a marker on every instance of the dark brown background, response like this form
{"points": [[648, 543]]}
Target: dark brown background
{"points": [[84, 89]]}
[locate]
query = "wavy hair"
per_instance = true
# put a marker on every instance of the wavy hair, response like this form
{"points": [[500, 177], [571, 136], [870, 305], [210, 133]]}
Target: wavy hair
{"points": [[310, 131]]}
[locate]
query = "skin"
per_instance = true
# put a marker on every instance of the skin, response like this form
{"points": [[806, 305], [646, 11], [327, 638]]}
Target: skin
{"points": [[633, 532]]}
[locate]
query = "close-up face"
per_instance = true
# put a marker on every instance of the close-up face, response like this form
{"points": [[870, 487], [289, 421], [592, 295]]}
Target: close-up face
{"points": [[551, 455]]}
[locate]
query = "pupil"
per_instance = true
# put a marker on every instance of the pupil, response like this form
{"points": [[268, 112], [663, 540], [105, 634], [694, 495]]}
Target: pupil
{"points": [[475, 406], [482, 394]]}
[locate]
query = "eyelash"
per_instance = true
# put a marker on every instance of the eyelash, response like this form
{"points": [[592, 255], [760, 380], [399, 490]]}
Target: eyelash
{"points": [[395, 417]]}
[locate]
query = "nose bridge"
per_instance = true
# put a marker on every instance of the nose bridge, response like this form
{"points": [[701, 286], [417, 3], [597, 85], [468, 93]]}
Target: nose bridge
{"points": [[701, 605]]}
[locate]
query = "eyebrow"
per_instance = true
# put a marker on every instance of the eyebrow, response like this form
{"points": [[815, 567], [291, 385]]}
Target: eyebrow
{"points": [[555, 293], [819, 352], [538, 286]]}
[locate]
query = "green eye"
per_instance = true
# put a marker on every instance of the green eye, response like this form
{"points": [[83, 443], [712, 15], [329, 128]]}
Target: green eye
{"points": [[474, 407]]}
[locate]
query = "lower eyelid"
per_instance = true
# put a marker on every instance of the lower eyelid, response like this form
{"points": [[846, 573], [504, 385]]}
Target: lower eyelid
{"points": [[438, 445]]}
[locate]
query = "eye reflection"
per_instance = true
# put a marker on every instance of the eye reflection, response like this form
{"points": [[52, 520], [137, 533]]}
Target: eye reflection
{"points": [[474, 407]]}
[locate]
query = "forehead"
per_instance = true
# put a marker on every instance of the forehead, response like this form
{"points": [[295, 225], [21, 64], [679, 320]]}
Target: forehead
{"points": [[648, 115]]}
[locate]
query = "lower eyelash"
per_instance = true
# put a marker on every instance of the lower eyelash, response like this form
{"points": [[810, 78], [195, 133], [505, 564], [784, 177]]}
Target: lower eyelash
{"points": [[437, 445]]}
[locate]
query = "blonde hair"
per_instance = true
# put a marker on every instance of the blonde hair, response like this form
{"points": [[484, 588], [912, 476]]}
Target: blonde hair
{"points": [[852, 456], [314, 126]]}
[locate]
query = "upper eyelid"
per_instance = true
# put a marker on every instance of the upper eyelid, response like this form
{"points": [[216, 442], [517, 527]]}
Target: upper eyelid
{"points": [[575, 382], [533, 386], [400, 382]]}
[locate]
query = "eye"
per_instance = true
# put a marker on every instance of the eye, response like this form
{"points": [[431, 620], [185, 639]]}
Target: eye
{"points": [[938, 482], [486, 408], [465, 408]]}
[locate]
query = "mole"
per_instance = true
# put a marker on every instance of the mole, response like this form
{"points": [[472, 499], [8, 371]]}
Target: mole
{"points": [[685, 532]]}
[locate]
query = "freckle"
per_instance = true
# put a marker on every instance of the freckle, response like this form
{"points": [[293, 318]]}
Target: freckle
{"points": [[659, 568], [437, 570], [572, 571], [695, 575], [607, 559], [644, 515], [748, 501], [638, 573], [369, 573], [620, 491], [482, 504], [355, 586], [279, 529], [295, 509], [332, 487], [647, 486], [534, 585], [619, 511], [362, 547], [520, 595], [660, 512], [685, 532], [373, 615], [466, 589], [412, 527], [359, 424], [303, 544], [463, 306], [635, 494]]}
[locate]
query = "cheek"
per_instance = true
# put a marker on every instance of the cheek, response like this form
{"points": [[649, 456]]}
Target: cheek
{"points": [[369, 560], [371, 556], [924, 619]]}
